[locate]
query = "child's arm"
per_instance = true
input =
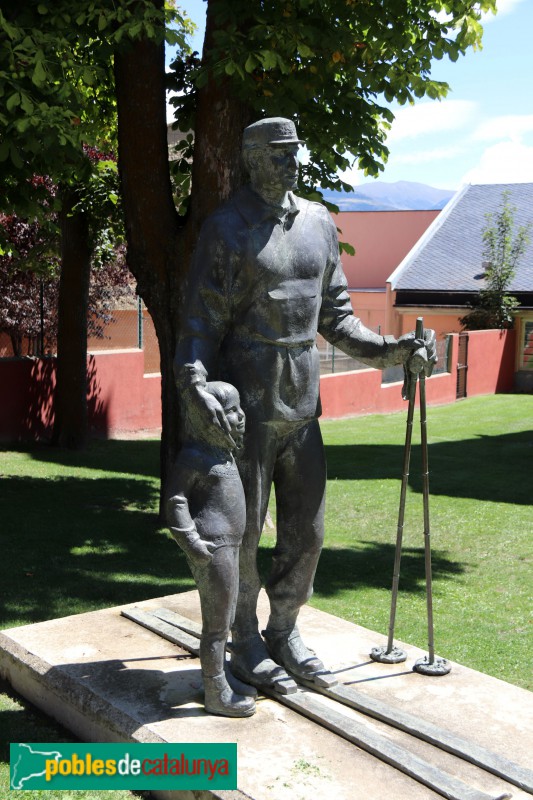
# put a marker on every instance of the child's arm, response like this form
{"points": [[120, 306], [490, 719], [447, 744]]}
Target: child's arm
{"points": [[184, 530], [179, 518]]}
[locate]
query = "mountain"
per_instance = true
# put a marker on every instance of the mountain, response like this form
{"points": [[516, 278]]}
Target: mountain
{"points": [[383, 196]]}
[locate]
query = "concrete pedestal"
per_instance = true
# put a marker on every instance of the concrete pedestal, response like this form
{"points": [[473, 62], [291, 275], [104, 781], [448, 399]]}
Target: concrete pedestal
{"points": [[107, 679]]}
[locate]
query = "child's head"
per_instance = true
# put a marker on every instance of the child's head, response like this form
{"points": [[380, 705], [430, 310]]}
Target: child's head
{"points": [[228, 397]]}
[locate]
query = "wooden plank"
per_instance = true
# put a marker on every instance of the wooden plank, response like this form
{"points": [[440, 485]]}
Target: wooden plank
{"points": [[179, 621], [416, 726], [434, 734], [393, 754], [353, 731], [164, 629]]}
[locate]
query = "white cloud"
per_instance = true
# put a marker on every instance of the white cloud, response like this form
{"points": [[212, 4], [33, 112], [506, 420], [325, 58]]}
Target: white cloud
{"points": [[505, 162], [352, 175], [425, 156], [511, 126], [503, 7], [431, 117]]}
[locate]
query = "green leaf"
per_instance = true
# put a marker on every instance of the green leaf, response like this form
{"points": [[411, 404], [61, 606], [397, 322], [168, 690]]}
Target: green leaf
{"points": [[304, 50], [13, 101], [4, 150], [268, 58], [26, 103], [345, 247], [22, 124], [15, 157], [39, 74], [251, 63], [88, 76]]}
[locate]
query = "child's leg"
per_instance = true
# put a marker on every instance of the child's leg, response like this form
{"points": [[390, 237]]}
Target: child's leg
{"points": [[217, 585]]}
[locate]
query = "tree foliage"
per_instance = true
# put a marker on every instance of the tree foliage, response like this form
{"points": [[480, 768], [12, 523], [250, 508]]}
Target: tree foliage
{"points": [[503, 247], [56, 85], [28, 296], [333, 65], [29, 287]]}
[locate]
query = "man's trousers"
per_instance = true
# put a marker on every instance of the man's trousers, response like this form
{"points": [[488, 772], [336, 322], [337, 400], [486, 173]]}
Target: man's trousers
{"points": [[290, 456]]}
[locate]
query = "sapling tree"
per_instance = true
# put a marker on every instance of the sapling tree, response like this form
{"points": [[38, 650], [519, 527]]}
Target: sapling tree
{"points": [[503, 247]]}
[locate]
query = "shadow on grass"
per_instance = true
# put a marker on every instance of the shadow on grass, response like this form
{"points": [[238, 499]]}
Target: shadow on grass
{"points": [[133, 456], [75, 544], [371, 566], [494, 468], [24, 722], [483, 468], [72, 544]]}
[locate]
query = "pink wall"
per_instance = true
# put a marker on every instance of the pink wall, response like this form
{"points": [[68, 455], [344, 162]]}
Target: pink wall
{"points": [[122, 400], [129, 400], [491, 357], [381, 240], [442, 322], [491, 362], [352, 393], [370, 307]]}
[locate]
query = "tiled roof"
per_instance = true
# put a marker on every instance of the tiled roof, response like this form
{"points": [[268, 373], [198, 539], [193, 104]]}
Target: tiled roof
{"points": [[449, 256]]}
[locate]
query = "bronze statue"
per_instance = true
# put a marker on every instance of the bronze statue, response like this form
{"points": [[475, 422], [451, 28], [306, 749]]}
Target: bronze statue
{"points": [[266, 278], [206, 514]]}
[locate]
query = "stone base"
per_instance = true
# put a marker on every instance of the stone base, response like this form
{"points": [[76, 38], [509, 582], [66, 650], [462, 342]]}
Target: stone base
{"points": [[107, 679]]}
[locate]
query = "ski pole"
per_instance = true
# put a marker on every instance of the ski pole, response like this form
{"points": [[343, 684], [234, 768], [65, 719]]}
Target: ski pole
{"points": [[389, 654], [430, 664]]}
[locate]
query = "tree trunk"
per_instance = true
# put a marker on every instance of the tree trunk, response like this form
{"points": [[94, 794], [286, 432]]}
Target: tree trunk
{"points": [[16, 344], [221, 117], [70, 397], [151, 218], [160, 243]]}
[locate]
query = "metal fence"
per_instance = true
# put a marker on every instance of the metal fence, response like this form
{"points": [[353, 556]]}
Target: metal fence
{"points": [[333, 360], [131, 327]]}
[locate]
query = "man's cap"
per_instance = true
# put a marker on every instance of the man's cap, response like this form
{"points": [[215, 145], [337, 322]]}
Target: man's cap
{"points": [[273, 130]]}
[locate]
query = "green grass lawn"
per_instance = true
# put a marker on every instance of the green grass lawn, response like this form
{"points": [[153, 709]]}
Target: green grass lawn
{"points": [[80, 532]]}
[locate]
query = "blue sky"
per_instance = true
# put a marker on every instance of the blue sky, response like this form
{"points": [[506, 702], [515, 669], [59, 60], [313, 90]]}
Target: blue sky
{"points": [[483, 131]]}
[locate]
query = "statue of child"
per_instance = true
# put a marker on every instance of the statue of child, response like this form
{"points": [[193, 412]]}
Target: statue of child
{"points": [[206, 514]]}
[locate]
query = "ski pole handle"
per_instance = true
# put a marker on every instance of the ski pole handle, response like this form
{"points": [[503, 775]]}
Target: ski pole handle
{"points": [[415, 365], [418, 360]]}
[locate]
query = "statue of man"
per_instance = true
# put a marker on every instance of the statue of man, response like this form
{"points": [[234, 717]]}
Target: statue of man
{"points": [[266, 278]]}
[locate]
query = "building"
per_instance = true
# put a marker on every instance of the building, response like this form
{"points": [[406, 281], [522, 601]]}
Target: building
{"points": [[444, 271]]}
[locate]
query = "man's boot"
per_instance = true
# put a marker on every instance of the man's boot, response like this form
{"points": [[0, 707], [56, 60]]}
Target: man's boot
{"points": [[251, 663], [222, 701], [287, 648], [238, 686]]}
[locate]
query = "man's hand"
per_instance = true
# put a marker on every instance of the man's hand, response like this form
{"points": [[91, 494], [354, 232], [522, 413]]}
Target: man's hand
{"points": [[207, 415], [419, 354]]}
